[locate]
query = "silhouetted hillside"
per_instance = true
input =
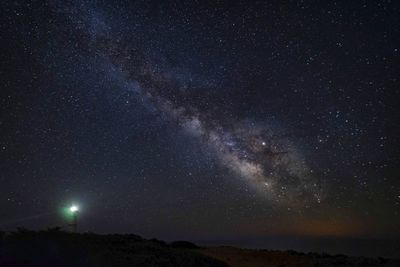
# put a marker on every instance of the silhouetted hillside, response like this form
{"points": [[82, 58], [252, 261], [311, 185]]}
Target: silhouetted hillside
{"points": [[54, 247]]}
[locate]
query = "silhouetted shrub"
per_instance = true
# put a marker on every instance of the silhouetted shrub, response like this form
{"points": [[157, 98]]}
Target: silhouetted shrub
{"points": [[56, 229], [382, 260], [293, 252]]}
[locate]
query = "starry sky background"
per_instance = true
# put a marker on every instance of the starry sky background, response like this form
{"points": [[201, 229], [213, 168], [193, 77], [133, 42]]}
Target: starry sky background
{"points": [[202, 120]]}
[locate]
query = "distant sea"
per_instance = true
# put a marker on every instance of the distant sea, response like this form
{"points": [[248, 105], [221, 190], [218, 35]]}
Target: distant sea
{"points": [[346, 246]]}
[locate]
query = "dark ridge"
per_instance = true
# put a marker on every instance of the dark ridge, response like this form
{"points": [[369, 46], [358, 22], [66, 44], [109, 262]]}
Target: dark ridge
{"points": [[54, 247]]}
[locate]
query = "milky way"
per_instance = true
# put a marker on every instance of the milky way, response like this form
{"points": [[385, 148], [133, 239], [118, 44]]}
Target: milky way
{"points": [[263, 156], [193, 119]]}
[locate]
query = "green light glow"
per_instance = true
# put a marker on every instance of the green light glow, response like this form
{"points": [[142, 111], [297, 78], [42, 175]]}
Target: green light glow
{"points": [[68, 212]]}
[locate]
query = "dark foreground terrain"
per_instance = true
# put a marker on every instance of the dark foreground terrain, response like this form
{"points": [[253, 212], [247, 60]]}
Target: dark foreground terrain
{"points": [[54, 247], [236, 257]]}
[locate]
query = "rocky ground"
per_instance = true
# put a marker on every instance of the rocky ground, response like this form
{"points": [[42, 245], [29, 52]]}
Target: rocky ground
{"points": [[237, 257]]}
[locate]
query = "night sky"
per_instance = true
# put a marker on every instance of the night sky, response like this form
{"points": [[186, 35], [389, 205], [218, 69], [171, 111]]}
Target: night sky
{"points": [[198, 120]]}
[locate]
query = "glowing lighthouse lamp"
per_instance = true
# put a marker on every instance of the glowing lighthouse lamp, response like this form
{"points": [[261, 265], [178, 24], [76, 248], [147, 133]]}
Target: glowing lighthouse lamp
{"points": [[74, 224], [74, 209]]}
